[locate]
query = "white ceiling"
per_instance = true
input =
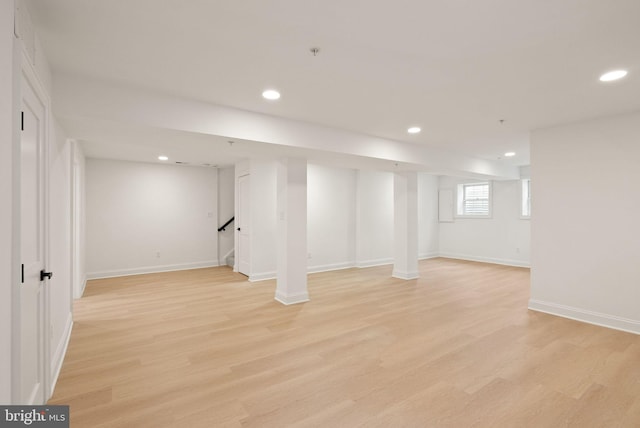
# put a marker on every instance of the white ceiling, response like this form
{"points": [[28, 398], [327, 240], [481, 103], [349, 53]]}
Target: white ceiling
{"points": [[452, 67]]}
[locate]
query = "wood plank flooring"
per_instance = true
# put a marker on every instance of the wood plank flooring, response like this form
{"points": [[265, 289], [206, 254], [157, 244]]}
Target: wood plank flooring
{"points": [[456, 348]]}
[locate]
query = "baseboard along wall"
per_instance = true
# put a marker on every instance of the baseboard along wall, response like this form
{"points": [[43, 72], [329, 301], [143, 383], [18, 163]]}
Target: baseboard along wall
{"points": [[151, 269], [583, 315]]}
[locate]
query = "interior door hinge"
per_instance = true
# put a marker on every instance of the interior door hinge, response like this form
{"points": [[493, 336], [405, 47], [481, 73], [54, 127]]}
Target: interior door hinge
{"points": [[22, 121], [23, 273]]}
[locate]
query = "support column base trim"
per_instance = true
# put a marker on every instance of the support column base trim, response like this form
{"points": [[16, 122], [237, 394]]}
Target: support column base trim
{"points": [[293, 299], [405, 275]]}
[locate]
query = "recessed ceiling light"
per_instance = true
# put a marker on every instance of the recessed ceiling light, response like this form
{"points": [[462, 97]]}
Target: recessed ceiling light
{"points": [[613, 75], [413, 130], [163, 158], [510, 154], [271, 94]]}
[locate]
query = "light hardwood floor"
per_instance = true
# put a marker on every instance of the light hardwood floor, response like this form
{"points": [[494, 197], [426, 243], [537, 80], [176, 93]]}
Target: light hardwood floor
{"points": [[456, 348]]}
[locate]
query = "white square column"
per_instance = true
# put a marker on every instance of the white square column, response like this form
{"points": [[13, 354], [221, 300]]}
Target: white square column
{"points": [[405, 225], [291, 285]]}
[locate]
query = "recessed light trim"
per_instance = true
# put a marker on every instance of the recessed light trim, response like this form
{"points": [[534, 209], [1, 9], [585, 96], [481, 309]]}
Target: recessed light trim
{"points": [[414, 130], [271, 94], [510, 154], [163, 158], [613, 75]]}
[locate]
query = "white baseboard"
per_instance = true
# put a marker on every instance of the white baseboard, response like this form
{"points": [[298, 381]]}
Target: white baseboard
{"points": [[405, 275], [151, 269], [371, 263], [311, 269], [364, 264], [506, 262], [583, 315], [262, 276], [82, 288], [426, 256], [330, 267], [58, 356], [292, 299], [322, 268]]}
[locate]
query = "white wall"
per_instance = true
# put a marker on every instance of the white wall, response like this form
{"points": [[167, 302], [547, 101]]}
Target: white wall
{"points": [[349, 215], [60, 296], [135, 210], [374, 218], [226, 210], [428, 227], [504, 238], [78, 220], [586, 241], [9, 189], [331, 217], [31, 46], [350, 221]]}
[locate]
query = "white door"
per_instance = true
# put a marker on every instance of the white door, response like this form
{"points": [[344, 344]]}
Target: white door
{"points": [[32, 251], [242, 226]]}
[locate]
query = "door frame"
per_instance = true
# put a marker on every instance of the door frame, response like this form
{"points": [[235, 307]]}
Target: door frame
{"points": [[78, 281], [30, 76], [239, 220]]}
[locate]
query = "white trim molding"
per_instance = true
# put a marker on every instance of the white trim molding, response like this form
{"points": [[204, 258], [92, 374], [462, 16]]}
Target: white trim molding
{"points": [[583, 315], [372, 263], [255, 277], [84, 286], [151, 269], [431, 255], [58, 356], [330, 267], [405, 275], [292, 299], [506, 262]]}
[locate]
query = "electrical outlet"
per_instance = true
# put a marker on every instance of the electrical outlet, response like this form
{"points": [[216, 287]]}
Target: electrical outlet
{"points": [[158, 254], [517, 249]]}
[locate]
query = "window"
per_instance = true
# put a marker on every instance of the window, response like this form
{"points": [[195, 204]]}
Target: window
{"points": [[525, 209], [473, 199]]}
